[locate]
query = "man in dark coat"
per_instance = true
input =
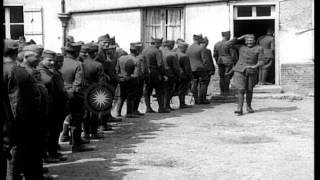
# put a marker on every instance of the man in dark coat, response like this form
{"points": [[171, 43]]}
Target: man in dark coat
{"points": [[53, 127], [199, 71], [128, 72], [246, 69], [171, 67], [267, 70], [93, 74], [208, 61], [225, 58], [185, 73], [27, 101], [9, 62], [72, 72], [155, 75]]}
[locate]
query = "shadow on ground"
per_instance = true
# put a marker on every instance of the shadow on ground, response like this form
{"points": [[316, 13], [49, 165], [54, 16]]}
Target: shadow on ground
{"points": [[103, 163]]}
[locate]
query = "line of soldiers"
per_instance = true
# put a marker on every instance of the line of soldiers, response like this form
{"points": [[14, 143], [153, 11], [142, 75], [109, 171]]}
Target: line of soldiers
{"points": [[44, 91]]}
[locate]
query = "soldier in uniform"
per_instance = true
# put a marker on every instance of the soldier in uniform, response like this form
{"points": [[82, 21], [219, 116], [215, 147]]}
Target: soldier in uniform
{"points": [[267, 43], [199, 71], [185, 73], [155, 75], [208, 61], [72, 72], [127, 70], [9, 62], [172, 71], [93, 74], [246, 69], [26, 101], [46, 69], [224, 56]]}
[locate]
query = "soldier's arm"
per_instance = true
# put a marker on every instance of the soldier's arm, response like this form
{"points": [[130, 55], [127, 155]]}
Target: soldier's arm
{"points": [[261, 59], [216, 52]]}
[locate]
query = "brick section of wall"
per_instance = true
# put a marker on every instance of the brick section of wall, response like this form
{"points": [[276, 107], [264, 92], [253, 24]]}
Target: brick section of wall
{"points": [[297, 77]]}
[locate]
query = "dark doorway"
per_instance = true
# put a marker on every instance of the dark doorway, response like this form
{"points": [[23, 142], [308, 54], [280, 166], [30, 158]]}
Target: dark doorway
{"points": [[258, 28]]}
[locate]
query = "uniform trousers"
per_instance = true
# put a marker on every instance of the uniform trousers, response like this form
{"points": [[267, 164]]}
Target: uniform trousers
{"points": [[224, 79], [198, 85]]}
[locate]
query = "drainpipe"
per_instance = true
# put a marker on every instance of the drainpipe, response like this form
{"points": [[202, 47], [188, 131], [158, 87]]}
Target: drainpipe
{"points": [[64, 18]]}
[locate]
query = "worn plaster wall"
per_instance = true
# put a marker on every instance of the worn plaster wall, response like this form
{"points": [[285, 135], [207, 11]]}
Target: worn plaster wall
{"points": [[124, 25]]}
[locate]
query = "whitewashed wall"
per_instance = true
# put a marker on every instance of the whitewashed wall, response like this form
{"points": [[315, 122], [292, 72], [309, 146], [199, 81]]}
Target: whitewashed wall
{"points": [[124, 25], [52, 29], [208, 19]]}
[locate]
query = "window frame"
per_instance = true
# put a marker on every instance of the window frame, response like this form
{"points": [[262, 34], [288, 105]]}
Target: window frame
{"points": [[163, 24], [7, 22], [254, 12]]}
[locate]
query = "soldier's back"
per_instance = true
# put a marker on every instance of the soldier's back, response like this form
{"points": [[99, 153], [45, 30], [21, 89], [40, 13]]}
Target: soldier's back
{"points": [[194, 53], [69, 69]]}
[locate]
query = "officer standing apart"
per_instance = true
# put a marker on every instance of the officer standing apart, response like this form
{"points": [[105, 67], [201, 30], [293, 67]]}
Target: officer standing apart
{"points": [[127, 70], [185, 73], [171, 67], [267, 43], [246, 69], [208, 61], [199, 71], [155, 75], [72, 72], [225, 58]]}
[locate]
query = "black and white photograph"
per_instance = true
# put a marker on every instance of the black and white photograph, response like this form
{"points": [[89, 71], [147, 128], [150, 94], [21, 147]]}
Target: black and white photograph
{"points": [[158, 90]]}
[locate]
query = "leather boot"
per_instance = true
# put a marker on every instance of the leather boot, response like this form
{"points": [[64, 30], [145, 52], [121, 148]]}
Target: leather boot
{"points": [[182, 102], [248, 101], [147, 101], [65, 133], [240, 103], [130, 109], [119, 107], [162, 108]]}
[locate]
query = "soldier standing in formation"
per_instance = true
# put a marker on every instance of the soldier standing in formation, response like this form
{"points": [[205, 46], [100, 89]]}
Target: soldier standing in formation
{"points": [[200, 76], [225, 58], [267, 43], [155, 75], [185, 73], [208, 62]]}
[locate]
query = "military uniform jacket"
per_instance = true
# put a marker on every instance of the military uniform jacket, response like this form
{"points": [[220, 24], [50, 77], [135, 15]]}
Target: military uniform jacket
{"points": [[247, 56], [184, 66], [196, 61], [267, 43], [208, 61], [223, 53], [171, 64], [72, 73], [127, 67], [26, 100], [153, 59], [93, 72]]}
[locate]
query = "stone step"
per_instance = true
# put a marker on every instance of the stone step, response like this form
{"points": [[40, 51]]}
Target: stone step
{"points": [[268, 89]]}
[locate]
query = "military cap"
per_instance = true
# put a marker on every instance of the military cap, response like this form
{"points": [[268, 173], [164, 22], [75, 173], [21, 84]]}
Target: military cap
{"points": [[182, 44], [73, 47], [111, 46], [49, 54], [103, 37], [111, 40], [84, 48], [156, 40], [10, 44], [249, 36], [34, 48], [136, 45], [59, 57], [168, 43], [197, 37], [179, 40], [225, 33], [93, 47]]}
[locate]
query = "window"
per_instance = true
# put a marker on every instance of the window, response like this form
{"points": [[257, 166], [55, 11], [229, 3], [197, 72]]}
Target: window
{"points": [[166, 23], [245, 12], [13, 25]]}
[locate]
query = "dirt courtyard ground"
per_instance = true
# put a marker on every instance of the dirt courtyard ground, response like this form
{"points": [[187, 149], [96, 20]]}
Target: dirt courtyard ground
{"points": [[206, 142]]}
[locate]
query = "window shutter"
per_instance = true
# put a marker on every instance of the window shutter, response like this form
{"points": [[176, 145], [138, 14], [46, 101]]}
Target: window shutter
{"points": [[33, 28]]}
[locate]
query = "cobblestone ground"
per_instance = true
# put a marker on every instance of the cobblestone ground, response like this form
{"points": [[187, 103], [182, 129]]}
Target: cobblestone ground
{"points": [[204, 142]]}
